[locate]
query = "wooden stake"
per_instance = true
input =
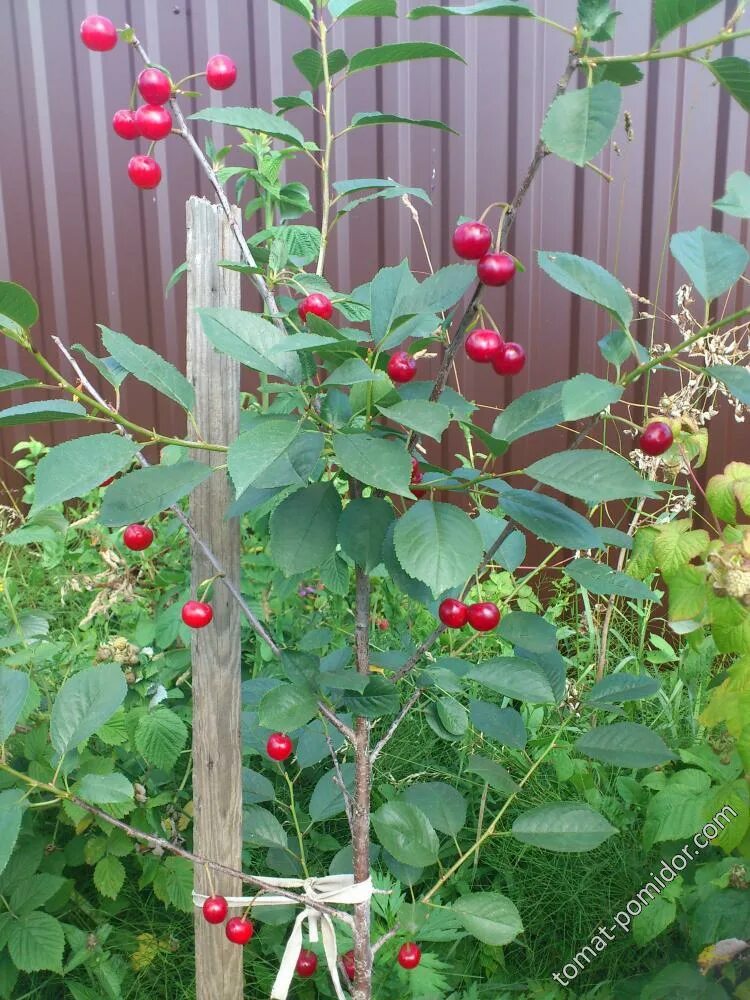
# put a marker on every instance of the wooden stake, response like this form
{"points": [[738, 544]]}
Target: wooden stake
{"points": [[217, 749]]}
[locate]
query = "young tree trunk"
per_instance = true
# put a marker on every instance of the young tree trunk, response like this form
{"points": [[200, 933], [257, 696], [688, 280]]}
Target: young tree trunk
{"points": [[361, 808], [217, 749]]}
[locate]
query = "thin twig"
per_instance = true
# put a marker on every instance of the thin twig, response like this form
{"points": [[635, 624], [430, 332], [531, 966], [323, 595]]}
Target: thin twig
{"points": [[335, 721], [339, 778], [385, 939], [405, 709]]}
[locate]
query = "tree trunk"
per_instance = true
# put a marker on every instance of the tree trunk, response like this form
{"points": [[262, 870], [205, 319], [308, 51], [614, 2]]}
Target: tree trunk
{"points": [[217, 748]]}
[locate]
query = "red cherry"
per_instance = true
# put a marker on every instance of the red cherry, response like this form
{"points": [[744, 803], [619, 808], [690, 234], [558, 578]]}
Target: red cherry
{"points": [[196, 614], [383, 624], [483, 617], [317, 304], [279, 746], [125, 125], [401, 367], [221, 72], [138, 537], [154, 121], [472, 240], [483, 345], [307, 963], [107, 482], [510, 359], [656, 438], [496, 269], [144, 172], [98, 33], [453, 613], [347, 960], [239, 930], [215, 909], [409, 955], [154, 86]]}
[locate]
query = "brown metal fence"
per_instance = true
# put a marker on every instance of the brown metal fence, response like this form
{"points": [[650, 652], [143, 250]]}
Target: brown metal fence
{"points": [[93, 249]]}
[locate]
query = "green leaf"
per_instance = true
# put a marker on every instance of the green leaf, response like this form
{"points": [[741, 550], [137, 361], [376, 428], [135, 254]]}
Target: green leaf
{"points": [[109, 369], [17, 305], [173, 884], [303, 528], [406, 833], [590, 281], [670, 14], [726, 492], [362, 8], [596, 18], [624, 744], [550, 520], [149, 367], [160, 737], [74, 468], [515, 677], [11, 814], [253, 120], [676, 544], [529, 631], [504, 725], [565, 827], [493, 774], [14, 686], [310, 64], [36, 942], [178, 272], [489, 917], [598, 578], [438, 544], [430, 419], [286, 708], [496, 8], [713, 261], [443, 805], [375, 461], [327, 799], [262, 456], [105, 788], [362, 530], [537, 410], [736, 200], [579, 124], [364, 118], [34, 891], [84, 702], [251, 340], [438, 291], [14, 380], [260, 827], [351, 372], [653, 921], [301, 7], [592, 475], [379, 698], [142, 493], [621, 687], [42, 412], [385, 55], [735, 378], [109, 876]]}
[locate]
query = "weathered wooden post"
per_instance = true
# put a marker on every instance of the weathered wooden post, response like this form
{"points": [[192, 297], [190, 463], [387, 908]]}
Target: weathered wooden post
{"points": [[217, 751]]}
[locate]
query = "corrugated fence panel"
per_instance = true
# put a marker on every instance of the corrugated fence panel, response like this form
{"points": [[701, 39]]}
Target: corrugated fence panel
{"points": [[93, 249]]}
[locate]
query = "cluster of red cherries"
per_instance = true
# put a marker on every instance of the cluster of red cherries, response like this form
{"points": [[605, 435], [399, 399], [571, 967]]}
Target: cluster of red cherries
{"points": [[151, 120], [239, 930]]}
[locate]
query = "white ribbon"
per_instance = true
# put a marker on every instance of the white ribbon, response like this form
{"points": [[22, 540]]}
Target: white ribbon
{"points": [[329, 889]]}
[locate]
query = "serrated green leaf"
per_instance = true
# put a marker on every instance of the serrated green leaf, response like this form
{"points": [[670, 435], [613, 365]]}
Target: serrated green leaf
{"points": [[259, 457], [489, 917], [149, 367], [375, 461], [379, 698], [735, 378], [579, 123], [505, 725], [494, 8], [422, 416], [549, 519], [14, 687], [736, 200], [598, 578], [12, 806], [437, 544], [301, 7], [310, 64], [621, 687], [713, 261], [160, 737], [253, 120], [105, 788], [260, 827], [140, 494], [493, 774], [385, 55], [34, 891], [36, 942], [364, 118], [670, 14], [251, 340], [287, 707], [76, 467], [406, 833], [676, 544], [327, 799], [565, 827], [84, 703], [362, 530], [173, 883], [590, 281], [43, 412], [303, 528], [529, 631], [109, 876], [362, 8], [14, 380], [592, 475], [110, 370], [515, 677], [624, 744], [443, 805], [17, 305]]}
